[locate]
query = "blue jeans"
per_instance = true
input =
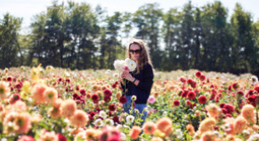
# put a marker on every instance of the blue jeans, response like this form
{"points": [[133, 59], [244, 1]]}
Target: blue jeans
{"points": [[140, 107]]}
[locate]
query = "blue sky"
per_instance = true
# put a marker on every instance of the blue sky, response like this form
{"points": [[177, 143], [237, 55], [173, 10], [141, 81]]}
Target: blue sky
{"points": [[28, 8]]}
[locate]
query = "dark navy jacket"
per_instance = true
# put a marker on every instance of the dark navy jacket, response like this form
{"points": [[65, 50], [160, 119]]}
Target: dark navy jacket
{"points": [[143, 89]]}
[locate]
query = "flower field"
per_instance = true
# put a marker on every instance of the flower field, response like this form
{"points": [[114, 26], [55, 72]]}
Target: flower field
{"points": [[53, 104]]}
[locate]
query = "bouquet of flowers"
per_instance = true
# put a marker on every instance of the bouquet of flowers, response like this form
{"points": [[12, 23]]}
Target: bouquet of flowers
{"points": [[124, 66]]}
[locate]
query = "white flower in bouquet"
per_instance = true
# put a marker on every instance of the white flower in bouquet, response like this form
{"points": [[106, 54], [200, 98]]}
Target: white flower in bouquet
{"points": [[103, 114], [130, 119], [119, 65], [98, 122], [131, 64], [109, 122]]}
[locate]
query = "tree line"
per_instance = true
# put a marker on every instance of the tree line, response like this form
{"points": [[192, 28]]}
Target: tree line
{"points": [[80, 36]]}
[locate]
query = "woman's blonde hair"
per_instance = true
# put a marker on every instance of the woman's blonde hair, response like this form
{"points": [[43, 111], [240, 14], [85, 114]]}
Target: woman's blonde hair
{"points": [[144, 54]]}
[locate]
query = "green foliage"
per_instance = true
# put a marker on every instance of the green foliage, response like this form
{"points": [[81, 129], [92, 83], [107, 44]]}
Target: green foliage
{"points": [[78, 36], [9, 46]]}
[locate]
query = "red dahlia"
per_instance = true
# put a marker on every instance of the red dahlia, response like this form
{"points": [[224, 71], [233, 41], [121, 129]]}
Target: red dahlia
{"points": [[83, 92], [75, 96], [193, 84], [190, 81], [176, 103], [92, 114], [182, 79], [240, 93], [95, 98], [60, 79], [107, 92], [252, 98], [107, 98], [202, 99], [191, 95], [123, 99], [19, 85], [112, 107], [116, 119], [230, 108], [187, 102], [198, 74], [235, 86], [9, 79], [184, 93], [114, 85], [68, 80], [202, 77], [197, 91], [16, 96]]}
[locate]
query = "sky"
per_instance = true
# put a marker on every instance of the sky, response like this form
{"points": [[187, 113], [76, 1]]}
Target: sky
{"points": [[28, 8]]}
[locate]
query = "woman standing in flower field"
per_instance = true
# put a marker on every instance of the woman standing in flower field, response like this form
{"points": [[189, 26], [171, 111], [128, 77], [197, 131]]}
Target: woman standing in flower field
{"points": [[139, 82]]}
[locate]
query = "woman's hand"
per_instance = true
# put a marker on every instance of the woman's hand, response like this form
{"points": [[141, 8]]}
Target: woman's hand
{"points": [[126, 75]]}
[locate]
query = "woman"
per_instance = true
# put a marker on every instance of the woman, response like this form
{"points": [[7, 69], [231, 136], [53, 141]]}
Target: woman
{"points": [[139, 82]]}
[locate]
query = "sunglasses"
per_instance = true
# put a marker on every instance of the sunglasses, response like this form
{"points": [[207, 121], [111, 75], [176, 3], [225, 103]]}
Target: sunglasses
{"points": [[135, 51]]}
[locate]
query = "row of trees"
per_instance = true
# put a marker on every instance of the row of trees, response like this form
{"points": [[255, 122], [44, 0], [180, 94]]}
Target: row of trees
{"points": [[78, 36]]}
